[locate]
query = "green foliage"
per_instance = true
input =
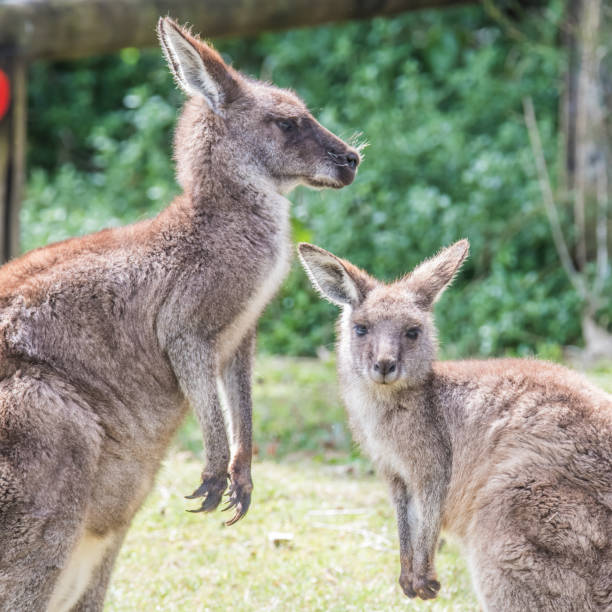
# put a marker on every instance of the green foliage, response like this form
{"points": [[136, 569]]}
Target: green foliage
{"points": [[100, 134], [438, 97]]}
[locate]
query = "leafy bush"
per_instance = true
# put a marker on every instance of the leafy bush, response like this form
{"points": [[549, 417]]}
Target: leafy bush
{"points": [[438, 97], [100, 135]]}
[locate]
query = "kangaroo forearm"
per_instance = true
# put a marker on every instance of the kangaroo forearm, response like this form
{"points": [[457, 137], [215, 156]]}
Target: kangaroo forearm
{"points": [[237, 382], [401, 501], [195, 368], [427, 530], [212, 424]]}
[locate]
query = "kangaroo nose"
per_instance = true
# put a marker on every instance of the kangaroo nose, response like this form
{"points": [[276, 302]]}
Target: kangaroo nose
{"points": [[385, 366], [352, 159]]}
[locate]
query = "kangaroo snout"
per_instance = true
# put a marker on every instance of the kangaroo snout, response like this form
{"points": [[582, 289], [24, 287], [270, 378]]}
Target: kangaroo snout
{"points": [[346, 162], [384, 370], [350, 158]]}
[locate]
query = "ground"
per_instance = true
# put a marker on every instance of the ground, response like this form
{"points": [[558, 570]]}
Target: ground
{"points": [[320, 534]]}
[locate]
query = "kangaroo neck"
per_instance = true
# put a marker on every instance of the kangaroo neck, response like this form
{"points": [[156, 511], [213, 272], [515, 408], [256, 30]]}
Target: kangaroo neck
{"points": [[226, 189]]}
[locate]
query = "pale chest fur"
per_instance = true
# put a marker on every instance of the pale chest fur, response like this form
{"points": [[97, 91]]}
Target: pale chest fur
{"points": [[269, 280], [370, 428]]}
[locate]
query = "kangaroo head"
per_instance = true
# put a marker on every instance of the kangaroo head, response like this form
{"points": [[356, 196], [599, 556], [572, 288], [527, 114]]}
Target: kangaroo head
{"points": [[250, 128], [386, 332]]}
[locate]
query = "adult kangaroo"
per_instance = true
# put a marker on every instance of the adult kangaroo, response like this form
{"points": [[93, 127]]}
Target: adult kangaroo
{"points": [[106, 340]]}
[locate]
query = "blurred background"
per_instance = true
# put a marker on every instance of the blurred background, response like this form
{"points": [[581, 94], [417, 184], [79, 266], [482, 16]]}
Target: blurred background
{"points": [[437, 94], [485, 120]]}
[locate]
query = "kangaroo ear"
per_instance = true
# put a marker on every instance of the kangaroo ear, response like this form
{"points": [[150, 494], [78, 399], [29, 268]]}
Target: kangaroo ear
{"points": [[197, 68], [337, 280], [429, 279]]}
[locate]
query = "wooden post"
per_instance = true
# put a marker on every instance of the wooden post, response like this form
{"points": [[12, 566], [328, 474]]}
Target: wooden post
{"points": [[12, 154]]}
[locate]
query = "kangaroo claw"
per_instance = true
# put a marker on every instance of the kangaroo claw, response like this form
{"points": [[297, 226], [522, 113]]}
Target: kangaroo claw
{"points": [[426, 588], [423, 587], [211, 489], [239, 497]]}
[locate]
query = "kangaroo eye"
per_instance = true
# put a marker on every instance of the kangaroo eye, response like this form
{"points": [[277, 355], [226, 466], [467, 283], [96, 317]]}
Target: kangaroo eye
{"points": [[361, 330], [287, 125], [413, 333]]}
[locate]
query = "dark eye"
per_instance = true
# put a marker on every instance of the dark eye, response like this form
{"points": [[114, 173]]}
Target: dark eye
{"points": [[413, 333], [287, 125], [361, 330]]}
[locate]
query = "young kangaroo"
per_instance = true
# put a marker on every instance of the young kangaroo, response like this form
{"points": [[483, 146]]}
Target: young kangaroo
{"points": [[512, 456], [105, 340]]}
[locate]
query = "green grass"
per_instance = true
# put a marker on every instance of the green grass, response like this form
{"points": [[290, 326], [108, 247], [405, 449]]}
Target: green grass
{"points": [[309, 482], [343, 555]]}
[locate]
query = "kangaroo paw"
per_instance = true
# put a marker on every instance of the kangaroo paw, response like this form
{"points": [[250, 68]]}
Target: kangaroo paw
{"points": [[239, 497], [426, 588], [211, 490], [406, 585]]}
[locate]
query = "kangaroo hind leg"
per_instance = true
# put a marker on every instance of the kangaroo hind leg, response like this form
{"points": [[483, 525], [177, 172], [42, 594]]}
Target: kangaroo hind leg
{"points": [[49, 445]]}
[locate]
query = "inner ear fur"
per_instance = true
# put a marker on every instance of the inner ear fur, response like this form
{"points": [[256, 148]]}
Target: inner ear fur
{"points": [[337, 280], [429, 279], [197, 67]]}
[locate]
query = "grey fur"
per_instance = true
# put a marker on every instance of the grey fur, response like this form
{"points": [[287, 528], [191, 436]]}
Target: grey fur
{"points": [[514, 457], [106, 340]]}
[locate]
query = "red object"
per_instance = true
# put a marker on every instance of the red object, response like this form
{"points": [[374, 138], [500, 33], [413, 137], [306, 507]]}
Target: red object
{"points": [[5, 93]]}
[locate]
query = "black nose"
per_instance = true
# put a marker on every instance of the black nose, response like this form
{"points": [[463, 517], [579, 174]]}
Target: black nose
{"points": [[352, 160], [385, 366]]}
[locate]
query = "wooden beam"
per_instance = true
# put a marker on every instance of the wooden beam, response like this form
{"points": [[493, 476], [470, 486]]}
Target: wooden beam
{"points": [[12, 155], [78, 28]]}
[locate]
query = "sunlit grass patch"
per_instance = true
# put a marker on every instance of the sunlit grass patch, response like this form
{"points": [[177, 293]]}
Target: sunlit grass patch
{"points": [[334, 548]]}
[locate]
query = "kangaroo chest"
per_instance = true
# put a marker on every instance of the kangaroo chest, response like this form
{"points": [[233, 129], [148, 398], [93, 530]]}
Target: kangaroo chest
{"points": [[268, 279], [247, 318], [370, 428]]}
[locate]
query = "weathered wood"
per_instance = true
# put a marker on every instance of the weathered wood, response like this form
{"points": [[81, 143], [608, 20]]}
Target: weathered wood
{"points": [[78, 28], [12, 155]]}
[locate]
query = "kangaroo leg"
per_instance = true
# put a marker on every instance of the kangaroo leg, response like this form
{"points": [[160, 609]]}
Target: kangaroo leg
{"points": [[546, 552], [34, 544], [48, 451], [236, 385], [92, 599]]}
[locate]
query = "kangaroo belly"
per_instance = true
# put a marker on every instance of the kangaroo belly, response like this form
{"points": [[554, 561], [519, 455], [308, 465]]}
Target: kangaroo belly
{"points": [[84, 561]]}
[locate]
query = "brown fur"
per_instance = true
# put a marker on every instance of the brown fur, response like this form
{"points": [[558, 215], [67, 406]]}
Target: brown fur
{"points": [[512, 456], [105, 340]]}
